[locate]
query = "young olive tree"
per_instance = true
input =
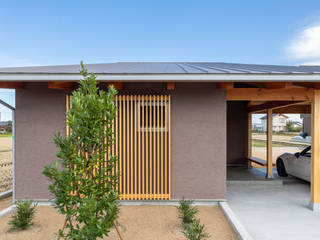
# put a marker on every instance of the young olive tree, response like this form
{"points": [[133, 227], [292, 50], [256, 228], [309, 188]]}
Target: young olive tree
{"points": [[83, 181]]}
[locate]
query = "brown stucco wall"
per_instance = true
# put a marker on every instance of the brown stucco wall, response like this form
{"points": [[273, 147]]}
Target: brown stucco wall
{"points": [[237, 133], [40, 112], [198, 142], [198, 138]]}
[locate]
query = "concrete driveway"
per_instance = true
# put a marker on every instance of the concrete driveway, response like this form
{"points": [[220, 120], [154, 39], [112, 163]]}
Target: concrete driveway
{"points": [[275, 212]]}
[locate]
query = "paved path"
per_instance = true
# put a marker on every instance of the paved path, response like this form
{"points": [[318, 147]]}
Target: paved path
{"points": [[271, 212]]}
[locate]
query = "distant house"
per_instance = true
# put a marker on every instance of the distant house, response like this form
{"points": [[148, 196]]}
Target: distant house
{"points": [[279, 122], [258, 127], [5, 126]]}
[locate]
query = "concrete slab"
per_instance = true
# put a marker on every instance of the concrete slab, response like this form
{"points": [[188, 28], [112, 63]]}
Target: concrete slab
{"points": [[244, 173], [270, 213]]}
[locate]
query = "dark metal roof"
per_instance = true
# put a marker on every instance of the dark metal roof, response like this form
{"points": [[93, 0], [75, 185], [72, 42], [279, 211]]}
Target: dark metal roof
{"points": [[168, 68]]}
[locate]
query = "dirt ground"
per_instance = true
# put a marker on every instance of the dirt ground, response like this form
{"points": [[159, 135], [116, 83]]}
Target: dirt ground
{"points": [[276, 152], [135, 222], [5, 202], [275, 137], [5, 143]]}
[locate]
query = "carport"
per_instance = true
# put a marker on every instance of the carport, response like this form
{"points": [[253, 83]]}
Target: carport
{"points": [[280, 97]]}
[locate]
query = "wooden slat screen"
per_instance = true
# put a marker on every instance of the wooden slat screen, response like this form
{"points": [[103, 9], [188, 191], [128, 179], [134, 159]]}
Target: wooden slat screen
{"points": [[142, 133]]}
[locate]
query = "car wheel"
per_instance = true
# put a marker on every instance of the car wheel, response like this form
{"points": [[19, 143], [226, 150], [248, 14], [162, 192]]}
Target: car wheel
{"points": [[281, 169]]}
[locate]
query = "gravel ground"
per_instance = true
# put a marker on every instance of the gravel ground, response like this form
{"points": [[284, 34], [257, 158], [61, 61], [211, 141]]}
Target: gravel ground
{"points": [[5, 164], [135, 223], [5, 202]]}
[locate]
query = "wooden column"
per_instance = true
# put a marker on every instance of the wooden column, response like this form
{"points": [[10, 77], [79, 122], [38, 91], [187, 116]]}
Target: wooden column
{"points": [[315, 156], [249, 153], [269, 173]]}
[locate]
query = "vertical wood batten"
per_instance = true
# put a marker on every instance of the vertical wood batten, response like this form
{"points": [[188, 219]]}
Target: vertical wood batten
{"points": [[146, 130], [135, 148], [142, 143], [127, 169], [67, 109], [315, 152], [138, 146], [158, 147], [131, 145], [120, 145], [116, 140], [150, 148], [154, 145], [165, 146], [161, 147]]}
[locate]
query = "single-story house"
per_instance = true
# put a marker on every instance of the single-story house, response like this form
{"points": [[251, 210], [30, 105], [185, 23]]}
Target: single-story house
{"points": [[178, 127], [279, 122]]}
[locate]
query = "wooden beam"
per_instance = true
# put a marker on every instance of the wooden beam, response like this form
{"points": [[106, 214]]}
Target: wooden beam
{"points": [[270, 85], [307, 84], [224, 85], [275, 85], [61, 85], [270, 104], [12, 85], [315, 155], [170, 86], [269, 172], [263, 94], [301, 109], [117, 85]]}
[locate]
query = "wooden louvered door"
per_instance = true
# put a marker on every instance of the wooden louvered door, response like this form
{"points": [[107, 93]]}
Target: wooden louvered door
{"points": [[142, 131], [142, 144]]}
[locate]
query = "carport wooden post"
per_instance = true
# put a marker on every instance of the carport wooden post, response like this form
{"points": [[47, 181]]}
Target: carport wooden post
{"points": [[269, 173], [315, 155]]}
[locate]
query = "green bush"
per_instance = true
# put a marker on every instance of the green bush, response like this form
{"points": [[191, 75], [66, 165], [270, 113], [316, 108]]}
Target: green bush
{"points": [[23, 215], [83, 181], [187, 212], [195, 230]]}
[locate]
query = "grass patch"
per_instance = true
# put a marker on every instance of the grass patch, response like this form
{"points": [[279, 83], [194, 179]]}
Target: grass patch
{"points": [[6, 135], [263, 143]]}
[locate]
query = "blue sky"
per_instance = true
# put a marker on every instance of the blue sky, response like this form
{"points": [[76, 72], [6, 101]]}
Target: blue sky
{"points": [[65, 32]]}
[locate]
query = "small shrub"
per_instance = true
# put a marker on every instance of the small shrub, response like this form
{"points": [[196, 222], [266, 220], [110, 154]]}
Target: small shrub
{"points": [[195, 230], [187, 212], [23, 215]]}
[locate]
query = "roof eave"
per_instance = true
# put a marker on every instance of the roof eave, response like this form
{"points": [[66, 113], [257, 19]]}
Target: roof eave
{"points": [[188, 77]]}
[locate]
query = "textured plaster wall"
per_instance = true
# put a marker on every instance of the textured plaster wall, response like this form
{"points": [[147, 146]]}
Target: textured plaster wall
{"points": [[198, 144]]}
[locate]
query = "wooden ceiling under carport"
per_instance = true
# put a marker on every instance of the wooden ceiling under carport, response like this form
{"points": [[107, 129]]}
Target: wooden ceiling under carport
{"points": [[281, 97]]}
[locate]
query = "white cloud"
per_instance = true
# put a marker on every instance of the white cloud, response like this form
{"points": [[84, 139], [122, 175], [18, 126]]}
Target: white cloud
{"points": [[305, 46]]}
